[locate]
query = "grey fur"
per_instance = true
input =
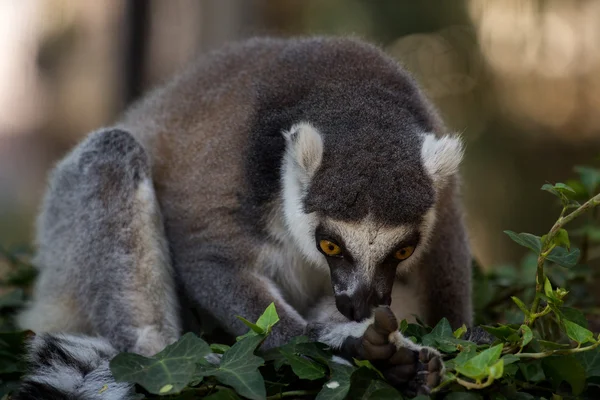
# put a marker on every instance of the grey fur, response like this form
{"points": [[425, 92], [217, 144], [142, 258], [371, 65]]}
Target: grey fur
{"points": [[212, 147]]}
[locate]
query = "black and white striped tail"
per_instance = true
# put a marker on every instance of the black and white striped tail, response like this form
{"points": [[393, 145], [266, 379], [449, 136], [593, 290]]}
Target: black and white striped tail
{"points": [[70, 367]]}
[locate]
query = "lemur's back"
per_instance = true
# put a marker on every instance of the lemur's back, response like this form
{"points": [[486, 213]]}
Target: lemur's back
{"points": [[199, 143]]}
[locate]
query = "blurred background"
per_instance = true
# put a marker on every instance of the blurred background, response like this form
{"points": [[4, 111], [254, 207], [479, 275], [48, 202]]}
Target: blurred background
{"points": [[520, 79]]}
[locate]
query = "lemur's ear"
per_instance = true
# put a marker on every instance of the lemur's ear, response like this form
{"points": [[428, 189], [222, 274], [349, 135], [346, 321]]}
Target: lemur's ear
{"points": [[441, 156], [305, 146]]}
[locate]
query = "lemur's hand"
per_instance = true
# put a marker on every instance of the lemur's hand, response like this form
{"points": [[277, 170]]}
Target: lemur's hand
{"points": [[412, 368]]}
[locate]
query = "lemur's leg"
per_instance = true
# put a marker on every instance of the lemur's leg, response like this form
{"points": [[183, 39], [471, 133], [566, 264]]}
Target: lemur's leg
{"points": [[444, 275], [103, 255], [217, 284]]}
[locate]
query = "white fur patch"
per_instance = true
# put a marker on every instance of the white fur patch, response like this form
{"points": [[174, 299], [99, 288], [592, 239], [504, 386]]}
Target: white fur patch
{"points": [[336, 335], [305, 145], [302, 158], [441, 156]]}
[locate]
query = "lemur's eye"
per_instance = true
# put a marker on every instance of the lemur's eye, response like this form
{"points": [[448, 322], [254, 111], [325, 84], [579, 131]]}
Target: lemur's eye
{"points": [[404, 253], [329, 248]]}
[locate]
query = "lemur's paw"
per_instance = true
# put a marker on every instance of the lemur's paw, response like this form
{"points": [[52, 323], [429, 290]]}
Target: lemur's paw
{"points": [[411, 368], [414, 372]]}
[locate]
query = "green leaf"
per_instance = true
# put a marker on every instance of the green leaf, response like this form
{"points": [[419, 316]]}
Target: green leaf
{"points": [[526, 239], [521, 305], [338, 386], [460, 331], [590, 178], [564, 257], [442, 337], [478, 366], [367, 364], [505, 333], [264, 324], [223, 394], [172, 368], [366, 386], [548, 289], [563, 188], [304, 367], [527, 335], [497, 370], [548, 345], [578, 333], [565, 368], [574, 315], [562, 239], [219, 348], [532, 371], [590, 360], [253, 327], [239, 369]]}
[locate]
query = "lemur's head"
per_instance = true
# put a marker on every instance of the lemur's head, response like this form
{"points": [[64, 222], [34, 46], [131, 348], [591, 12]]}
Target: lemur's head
{"points": [[362, 203]]}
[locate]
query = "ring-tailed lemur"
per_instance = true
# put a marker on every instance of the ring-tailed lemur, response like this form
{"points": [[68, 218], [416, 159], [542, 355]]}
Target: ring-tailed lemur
{"points": [[307, 172]]}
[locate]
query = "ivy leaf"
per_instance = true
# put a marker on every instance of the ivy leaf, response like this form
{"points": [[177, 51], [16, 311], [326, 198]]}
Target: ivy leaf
{"points": [[219, 348], [442, 337], [165, 373], [564, 257], [527, 335], [253, 327], [338, 386], [460, 332], [367, 364], [578, 333], [505, 333], [239, 369], [223, 394], [304, 367], [263, 325], [562, 239], [590, 360], [497, 370], [365, 386], [532, 371], [478, 366], [565, 368], [527, 240]]}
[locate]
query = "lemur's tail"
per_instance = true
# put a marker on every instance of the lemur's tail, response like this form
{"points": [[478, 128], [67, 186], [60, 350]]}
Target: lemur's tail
{"points": [[71, 367]]}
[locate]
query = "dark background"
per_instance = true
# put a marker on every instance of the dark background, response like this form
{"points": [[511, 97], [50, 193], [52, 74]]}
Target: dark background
{"points": [[519, 79]]}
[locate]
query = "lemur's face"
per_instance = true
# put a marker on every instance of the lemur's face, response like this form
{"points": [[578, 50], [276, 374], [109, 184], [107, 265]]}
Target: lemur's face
{"points": [[364, 258], [363, 209]]}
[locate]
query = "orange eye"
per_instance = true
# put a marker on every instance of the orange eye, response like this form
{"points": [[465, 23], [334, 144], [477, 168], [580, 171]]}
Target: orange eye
{"points": [[329, 248], [404, 253]]}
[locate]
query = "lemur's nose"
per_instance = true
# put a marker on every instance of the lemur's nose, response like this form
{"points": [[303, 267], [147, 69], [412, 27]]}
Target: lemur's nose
{"points": [[360, 305]]}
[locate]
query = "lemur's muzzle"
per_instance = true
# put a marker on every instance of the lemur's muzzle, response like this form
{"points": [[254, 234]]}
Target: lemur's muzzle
{"points": [[360, 304]]}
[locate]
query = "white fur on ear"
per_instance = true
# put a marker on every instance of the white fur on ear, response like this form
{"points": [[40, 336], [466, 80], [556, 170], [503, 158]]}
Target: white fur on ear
{"points": [[305, 145], [441, 156]]}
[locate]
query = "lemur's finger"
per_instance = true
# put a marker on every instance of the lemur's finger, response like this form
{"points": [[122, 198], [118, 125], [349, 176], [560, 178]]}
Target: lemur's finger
{"points": [[404, 356], [385, 320], [373, 352], [375, 337], [400, 374], [426, 354]]}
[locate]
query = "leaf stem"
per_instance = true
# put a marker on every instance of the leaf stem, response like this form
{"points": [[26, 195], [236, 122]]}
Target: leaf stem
{"points": [[557, 352], [473, 385], [293, 393], [547, 248]]}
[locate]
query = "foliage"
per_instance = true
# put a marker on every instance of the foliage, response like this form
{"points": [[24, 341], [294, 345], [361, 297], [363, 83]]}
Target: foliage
{"points": [[543, 348]]}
